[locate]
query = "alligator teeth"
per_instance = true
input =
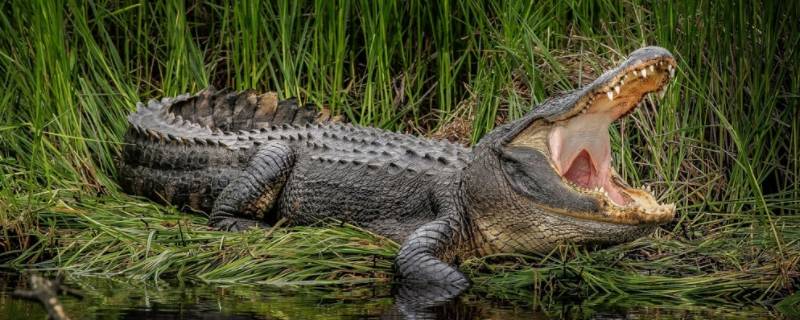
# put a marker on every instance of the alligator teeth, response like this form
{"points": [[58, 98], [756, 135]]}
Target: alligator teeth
{"points": [[617, 89], [622, 82], [671, 71], [610, 96], [644, 73], [652, 68], [662, 92]]}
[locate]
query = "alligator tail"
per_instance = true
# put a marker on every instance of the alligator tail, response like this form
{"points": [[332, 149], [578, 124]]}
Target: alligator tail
{"points": [[176, 148]]}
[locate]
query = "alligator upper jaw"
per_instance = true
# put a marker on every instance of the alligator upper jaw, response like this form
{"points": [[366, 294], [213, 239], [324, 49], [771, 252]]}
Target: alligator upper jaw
{"points": [[580, 149]]}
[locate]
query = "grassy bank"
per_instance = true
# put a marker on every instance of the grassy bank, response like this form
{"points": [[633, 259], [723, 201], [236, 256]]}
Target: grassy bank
{"points": [[723, 144]]}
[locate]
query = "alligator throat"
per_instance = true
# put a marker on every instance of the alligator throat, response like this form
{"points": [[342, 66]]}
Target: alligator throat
{"points": [[581, 151]]}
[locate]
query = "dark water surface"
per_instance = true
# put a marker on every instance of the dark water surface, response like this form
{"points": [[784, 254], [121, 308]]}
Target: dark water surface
{"points": [[120, 299]]}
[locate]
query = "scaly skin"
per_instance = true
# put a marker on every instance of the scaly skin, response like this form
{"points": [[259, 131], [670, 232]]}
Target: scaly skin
{"points": [[266, 160]]}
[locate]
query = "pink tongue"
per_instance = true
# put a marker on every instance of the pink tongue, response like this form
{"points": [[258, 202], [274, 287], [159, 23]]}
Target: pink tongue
{"points": [[614, 194]]}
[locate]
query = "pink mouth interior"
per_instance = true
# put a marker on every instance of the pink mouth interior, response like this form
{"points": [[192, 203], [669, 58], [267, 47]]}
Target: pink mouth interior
{"points": [[581, 150]]}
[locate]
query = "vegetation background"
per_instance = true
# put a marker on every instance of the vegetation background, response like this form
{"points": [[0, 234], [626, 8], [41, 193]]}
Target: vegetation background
{"points": [[724, 143]]}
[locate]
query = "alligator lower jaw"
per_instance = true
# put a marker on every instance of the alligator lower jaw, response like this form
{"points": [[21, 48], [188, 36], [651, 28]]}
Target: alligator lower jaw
{"points": [[580, 146], [640, 207]]}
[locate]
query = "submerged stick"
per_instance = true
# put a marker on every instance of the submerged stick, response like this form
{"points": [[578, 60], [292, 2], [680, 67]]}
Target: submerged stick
{"points": [[46, 292]]}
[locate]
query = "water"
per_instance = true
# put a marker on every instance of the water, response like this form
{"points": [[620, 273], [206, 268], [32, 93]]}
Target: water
{"points": [[120, 299]]}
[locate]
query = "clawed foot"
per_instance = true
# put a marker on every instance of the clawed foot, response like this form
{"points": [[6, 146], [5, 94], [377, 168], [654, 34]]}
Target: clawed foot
{"points": [[434, 273], [237, 225]]}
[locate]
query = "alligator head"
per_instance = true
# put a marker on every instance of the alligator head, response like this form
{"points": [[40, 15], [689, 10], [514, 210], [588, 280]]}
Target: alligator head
{"points": [[548, 177]]}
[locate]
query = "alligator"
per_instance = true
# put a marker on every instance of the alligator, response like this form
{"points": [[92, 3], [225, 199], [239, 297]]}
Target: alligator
{"points": [[249, 160]]}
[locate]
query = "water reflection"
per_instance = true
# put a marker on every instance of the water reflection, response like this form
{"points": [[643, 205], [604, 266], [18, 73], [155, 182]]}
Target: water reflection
{"points": [[120, 299], [428, 301]]}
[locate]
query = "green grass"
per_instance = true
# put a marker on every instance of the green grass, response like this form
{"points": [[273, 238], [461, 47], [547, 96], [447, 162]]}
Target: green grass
{"points": [[724, 143]]}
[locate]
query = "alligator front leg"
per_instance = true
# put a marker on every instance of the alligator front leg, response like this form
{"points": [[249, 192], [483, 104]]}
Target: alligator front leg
{"points": [[420, 259], [243, 201]]}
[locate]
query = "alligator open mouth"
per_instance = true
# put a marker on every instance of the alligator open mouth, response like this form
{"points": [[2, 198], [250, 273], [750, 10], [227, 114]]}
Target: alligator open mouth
{"points": [[580, 148]]}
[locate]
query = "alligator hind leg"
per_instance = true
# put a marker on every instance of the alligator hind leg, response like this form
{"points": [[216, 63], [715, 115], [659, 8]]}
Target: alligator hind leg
{"points": [[243, 202]]}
